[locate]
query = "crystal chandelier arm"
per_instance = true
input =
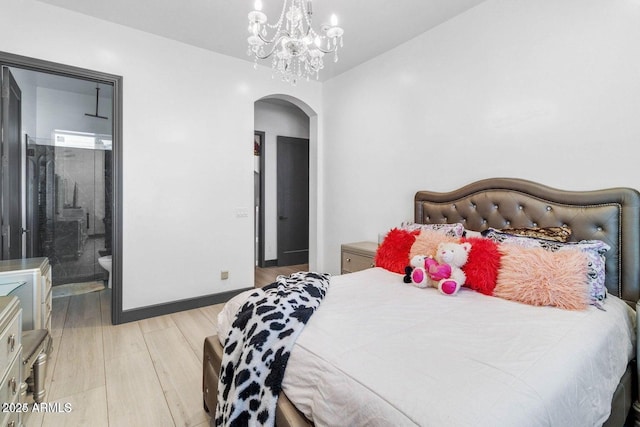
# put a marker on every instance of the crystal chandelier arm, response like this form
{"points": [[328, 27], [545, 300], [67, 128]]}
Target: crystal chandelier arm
{"points": [[321, 49], [310, 31], [256, 30], [274, 45], [276, 37]]}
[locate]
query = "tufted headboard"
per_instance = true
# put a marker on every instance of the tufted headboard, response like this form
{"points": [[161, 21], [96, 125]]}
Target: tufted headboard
{"points": [[611, 215]]}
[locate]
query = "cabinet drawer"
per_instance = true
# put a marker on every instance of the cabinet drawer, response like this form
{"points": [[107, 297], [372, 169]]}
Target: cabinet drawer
{"points": [[10, 341], [11, 419], [10, 385], [352, 262]]}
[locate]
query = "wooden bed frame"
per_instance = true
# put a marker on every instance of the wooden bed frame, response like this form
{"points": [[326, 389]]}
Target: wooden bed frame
{"points": [[610, 215]]}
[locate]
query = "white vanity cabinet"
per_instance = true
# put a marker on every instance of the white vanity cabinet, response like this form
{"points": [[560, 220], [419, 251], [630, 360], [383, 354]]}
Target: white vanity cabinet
{"points": [[35, 294], [10, 361]]}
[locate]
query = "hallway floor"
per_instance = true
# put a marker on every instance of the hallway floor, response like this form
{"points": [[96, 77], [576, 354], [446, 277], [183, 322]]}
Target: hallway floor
{"points": [[264, 276]]}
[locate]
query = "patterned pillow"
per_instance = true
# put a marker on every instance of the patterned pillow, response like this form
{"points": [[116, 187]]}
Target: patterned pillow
{"points": [[453, 230], [472, 233], [558, 234], [595, 251]]}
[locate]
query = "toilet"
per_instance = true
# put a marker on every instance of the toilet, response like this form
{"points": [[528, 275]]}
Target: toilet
{"points": [[105, 262]]}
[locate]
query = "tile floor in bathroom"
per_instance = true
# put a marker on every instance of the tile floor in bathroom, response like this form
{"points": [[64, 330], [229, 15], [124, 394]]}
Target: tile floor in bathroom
{"points": [[83, 269]]}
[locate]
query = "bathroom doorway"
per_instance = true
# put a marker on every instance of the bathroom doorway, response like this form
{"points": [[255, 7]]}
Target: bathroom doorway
{"points": [[68, 142], [72, 211]]}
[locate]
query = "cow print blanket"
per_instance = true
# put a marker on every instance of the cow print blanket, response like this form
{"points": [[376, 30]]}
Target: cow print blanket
{"points": [[257, 349]]}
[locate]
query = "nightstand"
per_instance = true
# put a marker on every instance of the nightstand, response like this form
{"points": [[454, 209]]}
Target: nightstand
{"points": [[357, 256]]}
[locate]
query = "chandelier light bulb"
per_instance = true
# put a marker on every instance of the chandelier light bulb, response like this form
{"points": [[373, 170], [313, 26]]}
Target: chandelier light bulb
{"points": [[334, 20], [258, 5]]}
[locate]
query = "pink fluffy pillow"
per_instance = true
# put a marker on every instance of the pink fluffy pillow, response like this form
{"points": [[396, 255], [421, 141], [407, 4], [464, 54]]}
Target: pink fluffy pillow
{"points": [[538, 277], [393, 253], [427, 242]]}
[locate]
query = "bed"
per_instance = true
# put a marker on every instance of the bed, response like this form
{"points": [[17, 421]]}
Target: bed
{"points": [[381, 352]]}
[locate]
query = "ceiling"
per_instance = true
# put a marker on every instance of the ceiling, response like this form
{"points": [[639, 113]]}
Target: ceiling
{"points": [[371, 27]]}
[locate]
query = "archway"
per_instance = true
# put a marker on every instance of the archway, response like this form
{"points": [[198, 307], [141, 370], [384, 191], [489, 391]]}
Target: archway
{"points": [[288, 112]]}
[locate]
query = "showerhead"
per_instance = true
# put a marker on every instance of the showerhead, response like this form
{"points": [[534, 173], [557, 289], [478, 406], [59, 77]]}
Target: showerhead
{"points": [[96, 114]]}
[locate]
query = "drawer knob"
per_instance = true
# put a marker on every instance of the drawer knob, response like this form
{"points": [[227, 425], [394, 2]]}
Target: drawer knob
{"points": [[348, 259]]}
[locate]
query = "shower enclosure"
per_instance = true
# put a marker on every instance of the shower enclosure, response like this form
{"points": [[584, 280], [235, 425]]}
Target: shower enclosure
{"points": [[67, 207]]}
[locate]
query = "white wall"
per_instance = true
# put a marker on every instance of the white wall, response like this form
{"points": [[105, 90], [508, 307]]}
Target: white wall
{"points": [[276, 120], [64, 110], [542, 90], [187, 146]]}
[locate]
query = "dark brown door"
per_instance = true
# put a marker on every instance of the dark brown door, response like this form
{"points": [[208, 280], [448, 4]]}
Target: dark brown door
{"points": [[293, 200], [11, 199]]}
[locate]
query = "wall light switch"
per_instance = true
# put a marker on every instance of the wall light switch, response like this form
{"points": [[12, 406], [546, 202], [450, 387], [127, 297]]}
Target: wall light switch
{"points": [[224, 275]]}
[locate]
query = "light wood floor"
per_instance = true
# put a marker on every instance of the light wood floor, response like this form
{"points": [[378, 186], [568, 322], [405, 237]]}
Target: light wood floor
{"points": [[264, 276], [141, 373]]}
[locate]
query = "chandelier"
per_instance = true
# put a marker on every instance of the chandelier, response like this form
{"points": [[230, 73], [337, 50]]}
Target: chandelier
{"points": [[296, 49]]}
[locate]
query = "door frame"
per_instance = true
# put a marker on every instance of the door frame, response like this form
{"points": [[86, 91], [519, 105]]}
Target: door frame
{"points": [[261, 222], [33, 64]]}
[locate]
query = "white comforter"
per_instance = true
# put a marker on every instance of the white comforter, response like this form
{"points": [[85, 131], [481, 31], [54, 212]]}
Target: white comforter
{"points": [[379, 352]]}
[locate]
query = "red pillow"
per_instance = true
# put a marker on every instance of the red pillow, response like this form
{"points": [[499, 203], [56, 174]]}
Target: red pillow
{"points": [[393, 253], [482, 265]]}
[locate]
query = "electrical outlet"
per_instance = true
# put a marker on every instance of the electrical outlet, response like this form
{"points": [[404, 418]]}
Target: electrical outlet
{"points": [[224, 275]]}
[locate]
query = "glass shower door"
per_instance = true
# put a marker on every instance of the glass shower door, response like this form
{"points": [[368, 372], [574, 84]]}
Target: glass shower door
{"points": [[70, 206]]}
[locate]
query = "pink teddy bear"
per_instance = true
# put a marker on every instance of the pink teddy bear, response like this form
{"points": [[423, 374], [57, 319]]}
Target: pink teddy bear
{"points": [[424, 270], [444, 272], [454, 255]]}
